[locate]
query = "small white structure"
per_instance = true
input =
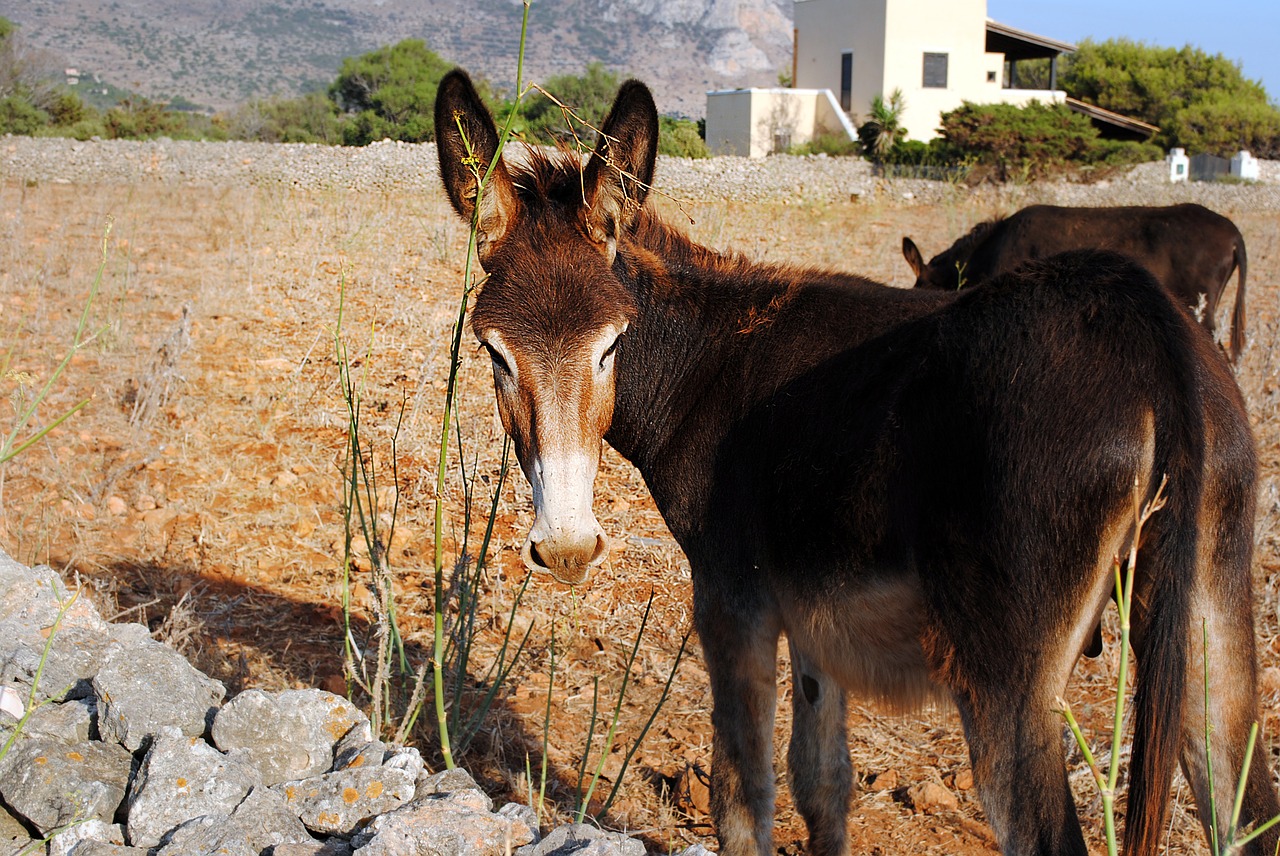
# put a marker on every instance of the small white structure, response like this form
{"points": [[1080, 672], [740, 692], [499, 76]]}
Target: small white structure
{"points": [[1179, 165], [1245, 166], [758, 122]]}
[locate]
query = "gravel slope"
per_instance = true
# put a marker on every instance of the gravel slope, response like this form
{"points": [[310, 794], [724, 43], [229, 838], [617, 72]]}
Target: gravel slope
{"points": [[405, 166]]}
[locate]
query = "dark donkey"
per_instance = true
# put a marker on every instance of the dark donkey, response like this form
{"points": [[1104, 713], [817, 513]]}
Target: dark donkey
{"points": [[923, 491], [1191, 250]]}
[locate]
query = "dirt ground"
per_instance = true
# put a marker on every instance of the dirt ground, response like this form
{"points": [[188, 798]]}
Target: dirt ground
{"points": [[200, 490]]}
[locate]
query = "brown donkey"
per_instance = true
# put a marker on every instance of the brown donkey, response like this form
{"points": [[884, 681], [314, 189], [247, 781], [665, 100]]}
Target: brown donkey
{"points": [[1191, 250], [924, 491]]}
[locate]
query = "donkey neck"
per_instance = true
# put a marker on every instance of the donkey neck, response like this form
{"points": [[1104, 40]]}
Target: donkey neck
{"points": [[715, 335]]}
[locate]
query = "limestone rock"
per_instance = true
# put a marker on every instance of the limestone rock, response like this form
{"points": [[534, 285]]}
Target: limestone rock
{"points": [[581, 839], [183, 778], [332, 847], [448, 782], [144, 689], [452, 824], [282, 747], [70, 839], [337, 803], [73, 721], [261, 822], [931, 798], [51, 783]]}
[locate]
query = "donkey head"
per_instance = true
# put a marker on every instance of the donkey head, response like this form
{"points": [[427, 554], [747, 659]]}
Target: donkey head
{"points": [[552, 311]]}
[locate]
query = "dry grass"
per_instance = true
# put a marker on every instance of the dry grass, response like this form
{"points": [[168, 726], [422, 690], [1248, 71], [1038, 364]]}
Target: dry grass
{"points": [[216, 519]]}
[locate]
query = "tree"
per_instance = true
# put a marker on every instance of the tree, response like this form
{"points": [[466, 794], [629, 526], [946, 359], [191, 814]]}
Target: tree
{"points": [[27, 73], [1200, 101], [589, 95], [390, 92]]}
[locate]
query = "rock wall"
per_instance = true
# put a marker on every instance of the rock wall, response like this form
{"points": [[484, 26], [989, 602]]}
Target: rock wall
{"points": [[114, 744]]}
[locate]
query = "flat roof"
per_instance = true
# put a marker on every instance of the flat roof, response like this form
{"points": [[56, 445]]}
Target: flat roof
{"points": [[1133, 126], [1020, 44]]}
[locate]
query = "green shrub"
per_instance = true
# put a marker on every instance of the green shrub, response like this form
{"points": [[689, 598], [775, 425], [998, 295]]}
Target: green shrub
{"points": [[1200, 101], [20, 116], [1125, 152], [390, 92], [313, 118], [1032, 140], [680, 138]]}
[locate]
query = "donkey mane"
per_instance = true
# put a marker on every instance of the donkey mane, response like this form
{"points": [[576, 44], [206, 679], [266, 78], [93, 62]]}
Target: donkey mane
{"points": [[963, 248], [554, 177]]}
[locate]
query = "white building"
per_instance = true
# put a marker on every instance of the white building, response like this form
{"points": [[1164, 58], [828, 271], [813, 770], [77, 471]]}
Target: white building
{"points": [[939, 53]]}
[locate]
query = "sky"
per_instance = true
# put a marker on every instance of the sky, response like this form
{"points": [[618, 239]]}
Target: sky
{"points": [[1247, 31]]}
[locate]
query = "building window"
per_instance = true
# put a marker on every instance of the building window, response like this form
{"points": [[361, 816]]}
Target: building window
{"points": [[991, 77], [935, 71], [846, 80]]}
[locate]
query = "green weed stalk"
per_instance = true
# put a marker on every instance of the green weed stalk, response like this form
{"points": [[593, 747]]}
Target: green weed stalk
{"points": [[1221, 842], [455, 362], [611, 734]]}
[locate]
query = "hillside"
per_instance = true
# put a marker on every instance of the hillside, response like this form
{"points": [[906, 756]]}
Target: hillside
{"points": [[225, 53]]}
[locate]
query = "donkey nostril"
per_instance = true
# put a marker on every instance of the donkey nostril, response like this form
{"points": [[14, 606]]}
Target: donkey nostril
{"points": [[602, 549], [537, 556]]}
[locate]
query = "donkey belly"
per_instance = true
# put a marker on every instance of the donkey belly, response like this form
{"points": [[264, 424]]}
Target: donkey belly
{"points": [[865, 634]]}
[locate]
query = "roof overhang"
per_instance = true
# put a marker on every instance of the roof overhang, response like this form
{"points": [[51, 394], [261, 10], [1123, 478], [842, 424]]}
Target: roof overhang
{"points": [[1125, 127], [1018, 44]]}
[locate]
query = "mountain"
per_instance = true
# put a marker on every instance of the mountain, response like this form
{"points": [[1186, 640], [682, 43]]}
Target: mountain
{"points": [[224, 53]]}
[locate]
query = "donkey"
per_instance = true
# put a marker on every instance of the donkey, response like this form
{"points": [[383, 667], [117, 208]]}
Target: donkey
{"points": [[923, 490], [1191, 250]]}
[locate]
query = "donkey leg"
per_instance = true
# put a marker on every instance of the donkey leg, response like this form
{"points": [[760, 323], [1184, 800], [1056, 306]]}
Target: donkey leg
{"points": [[741, 649], [1230, 700], [818, 757], [1019, 767]]}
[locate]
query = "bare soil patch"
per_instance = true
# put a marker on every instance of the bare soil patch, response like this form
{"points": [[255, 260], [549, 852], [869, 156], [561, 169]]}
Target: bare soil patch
{"points": [[212, 512]]}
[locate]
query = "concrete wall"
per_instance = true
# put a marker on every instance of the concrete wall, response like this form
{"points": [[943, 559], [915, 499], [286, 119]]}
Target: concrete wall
{"points": [[746, 122]]}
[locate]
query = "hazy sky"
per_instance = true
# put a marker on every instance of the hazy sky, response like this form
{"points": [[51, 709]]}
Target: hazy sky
{"points": [[1247, 31]]}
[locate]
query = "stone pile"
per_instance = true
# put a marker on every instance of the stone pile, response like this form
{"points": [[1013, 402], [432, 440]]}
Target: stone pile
{"points": [[131, 750], [411, 167]]}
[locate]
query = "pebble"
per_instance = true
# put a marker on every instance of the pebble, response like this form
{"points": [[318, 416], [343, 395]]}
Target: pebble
{"points": [[931, 798]]}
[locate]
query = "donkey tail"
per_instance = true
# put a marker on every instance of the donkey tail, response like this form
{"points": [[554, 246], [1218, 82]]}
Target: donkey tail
{"points": [[1167, 568], [1237, 313]]}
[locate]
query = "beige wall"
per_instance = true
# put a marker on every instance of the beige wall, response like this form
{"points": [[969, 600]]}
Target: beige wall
{"points": [[824, 32], [743, 121], [889, 39]]}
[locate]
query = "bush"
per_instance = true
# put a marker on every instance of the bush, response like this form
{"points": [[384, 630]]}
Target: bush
{"points": [[20, 116], [680, 138], [1125, 152], [313, 118], [589, 95], [1200, 101], [391, 92], [1031, 140]]}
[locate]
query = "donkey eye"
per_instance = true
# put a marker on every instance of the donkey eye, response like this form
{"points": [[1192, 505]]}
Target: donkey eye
{"points": [[498, 361], [608, 352]]}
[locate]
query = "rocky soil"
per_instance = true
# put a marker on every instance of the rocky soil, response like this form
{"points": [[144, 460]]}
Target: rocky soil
{"points": [[112, 743], [406, 166]]}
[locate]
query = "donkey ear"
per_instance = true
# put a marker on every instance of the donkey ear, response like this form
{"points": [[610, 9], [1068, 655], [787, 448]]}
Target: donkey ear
{"points": [[912, 254], [620, 172], [466, 142]]}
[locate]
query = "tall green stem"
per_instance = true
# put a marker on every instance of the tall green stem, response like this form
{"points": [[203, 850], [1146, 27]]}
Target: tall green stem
{"points": [[437, 656]]}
